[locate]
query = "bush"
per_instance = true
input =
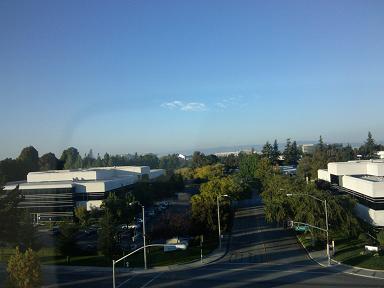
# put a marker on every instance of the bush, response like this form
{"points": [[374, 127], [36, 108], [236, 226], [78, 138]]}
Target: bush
{"points": [[24, 269]]}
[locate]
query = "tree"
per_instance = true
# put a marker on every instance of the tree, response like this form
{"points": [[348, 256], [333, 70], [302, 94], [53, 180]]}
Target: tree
{"points": [[321, 144], [380, 237], [291, 153], [10, 215], [71, 158], [275, 153], [369, 149], [108, 235], [267, 151], [27, 232], [247, 166], [209, 172], [107, 160], [199, 159], [24, 269], [171, 162], [48, 162], [83, 215], [66, 242], [30, 158]]}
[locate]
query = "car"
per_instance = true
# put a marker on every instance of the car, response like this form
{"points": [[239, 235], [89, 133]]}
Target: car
{"points": [[123, 226], [134, 226], [55, 230]]}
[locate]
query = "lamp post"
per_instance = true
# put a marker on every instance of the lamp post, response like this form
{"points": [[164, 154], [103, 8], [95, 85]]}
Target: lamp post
{"points": [[218, 215], [144, 235], [326, 218]]}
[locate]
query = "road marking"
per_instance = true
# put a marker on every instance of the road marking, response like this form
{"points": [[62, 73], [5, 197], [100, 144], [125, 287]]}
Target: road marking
{"points": [[270, 270], [126, 281], [153, 279]]}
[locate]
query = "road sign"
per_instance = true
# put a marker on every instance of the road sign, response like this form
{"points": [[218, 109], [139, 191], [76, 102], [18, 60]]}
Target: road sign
{"points": [[301, 228]]}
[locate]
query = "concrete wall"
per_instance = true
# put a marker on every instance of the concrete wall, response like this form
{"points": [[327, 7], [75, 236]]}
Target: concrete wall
{"points": [[376, 169], [323, 174], [105, 185], [368, 167], [63, 175], [28, 186], [371, 216], [366, 187], [347, 168], [156, 173]]}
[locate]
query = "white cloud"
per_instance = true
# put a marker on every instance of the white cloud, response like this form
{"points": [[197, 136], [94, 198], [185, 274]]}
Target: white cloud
{"points": [[190, 106], [230, 102]]}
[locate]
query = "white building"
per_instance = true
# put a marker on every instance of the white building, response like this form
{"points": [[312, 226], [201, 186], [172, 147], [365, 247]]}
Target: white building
{"points": [[364, 180], [308, 148], [54, 194]]}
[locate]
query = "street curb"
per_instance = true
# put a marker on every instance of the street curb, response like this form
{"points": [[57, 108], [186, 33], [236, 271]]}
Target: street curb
{"points": [[341, 264]]}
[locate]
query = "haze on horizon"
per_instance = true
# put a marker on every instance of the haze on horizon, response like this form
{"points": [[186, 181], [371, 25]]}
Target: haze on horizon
{"points": [[163, 76]]}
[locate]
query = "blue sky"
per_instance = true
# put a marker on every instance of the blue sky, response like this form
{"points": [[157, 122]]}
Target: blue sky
{"points": [[163, 76]]}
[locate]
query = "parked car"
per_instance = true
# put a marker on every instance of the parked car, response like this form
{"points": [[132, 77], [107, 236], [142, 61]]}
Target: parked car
{"points": [[55, 230]]}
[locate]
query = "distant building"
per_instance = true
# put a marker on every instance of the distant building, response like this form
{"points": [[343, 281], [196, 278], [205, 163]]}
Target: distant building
{"points": [[181, 156], [226, 154], [363, 180], [308, 148], [235, 153], [288, 170], [53, 195], [381, 154]]}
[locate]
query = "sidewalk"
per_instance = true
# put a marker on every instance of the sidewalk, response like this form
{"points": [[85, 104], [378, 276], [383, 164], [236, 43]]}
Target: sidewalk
{"points": [[320, 257], [214, 256]]}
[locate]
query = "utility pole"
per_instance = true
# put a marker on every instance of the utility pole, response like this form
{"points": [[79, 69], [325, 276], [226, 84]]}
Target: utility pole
{"points": [[144, 238], [218, 216]]}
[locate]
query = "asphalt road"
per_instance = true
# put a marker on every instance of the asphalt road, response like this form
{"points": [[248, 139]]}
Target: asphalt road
{"points": [[259, 255]]}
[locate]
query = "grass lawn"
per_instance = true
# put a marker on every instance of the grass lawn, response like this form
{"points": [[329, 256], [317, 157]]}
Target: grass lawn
{"points": [[350, 252], [156, 257]]}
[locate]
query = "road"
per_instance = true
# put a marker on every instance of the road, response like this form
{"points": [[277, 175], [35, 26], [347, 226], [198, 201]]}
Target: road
{"points": [[259, 255]]}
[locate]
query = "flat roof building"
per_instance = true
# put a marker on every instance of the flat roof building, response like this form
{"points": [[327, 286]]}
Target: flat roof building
{"points": [[308, 148], [363, 180], [54, 194]]}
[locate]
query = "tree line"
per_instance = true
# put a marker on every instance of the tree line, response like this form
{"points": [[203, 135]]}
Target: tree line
{"points": [[29, 161], [323, 154]]}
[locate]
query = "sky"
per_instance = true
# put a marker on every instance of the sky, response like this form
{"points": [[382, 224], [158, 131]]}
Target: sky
{"points": [[165, 76]]}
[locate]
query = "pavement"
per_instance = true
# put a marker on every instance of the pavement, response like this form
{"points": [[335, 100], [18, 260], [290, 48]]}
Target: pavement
{"points": [[258, 254]]}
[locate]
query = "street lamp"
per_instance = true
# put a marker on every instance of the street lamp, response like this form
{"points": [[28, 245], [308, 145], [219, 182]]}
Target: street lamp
{"points": [[144, 235], [218, 215], [326, 218]]}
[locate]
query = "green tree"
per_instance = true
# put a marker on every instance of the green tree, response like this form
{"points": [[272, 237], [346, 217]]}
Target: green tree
{"points": [[108, 235], [66, 243], [209, 172], [248, 166], [71, 158], [24, 270], [369, 149], [380, 237], [275, 153], [29, 157], [83, 215], [48, 162], [10, 215], [267, 151], [199, 159]]}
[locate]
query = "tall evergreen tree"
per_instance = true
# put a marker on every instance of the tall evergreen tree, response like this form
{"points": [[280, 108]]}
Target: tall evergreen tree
{"points": [[275, 153], [267, 151]]}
